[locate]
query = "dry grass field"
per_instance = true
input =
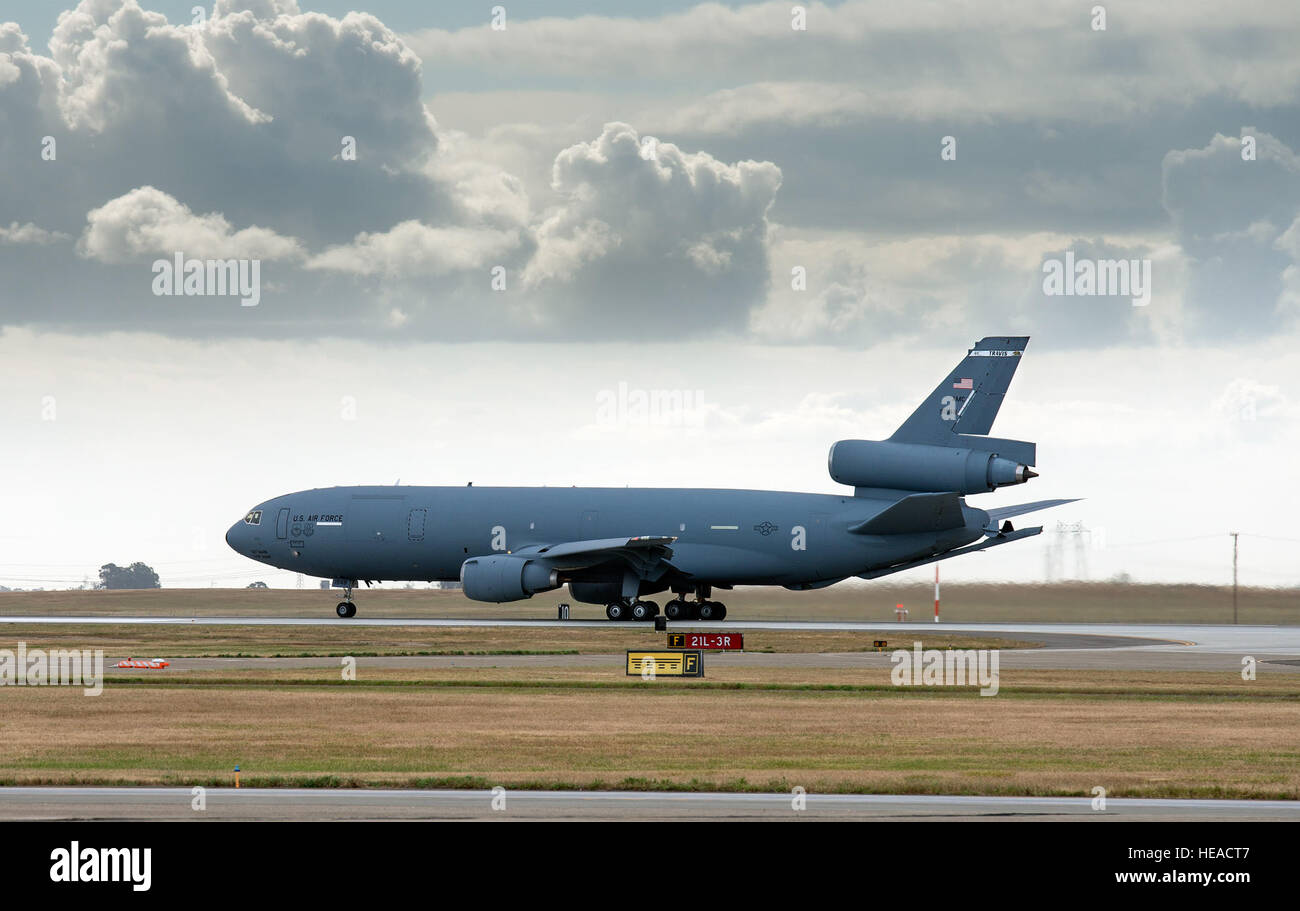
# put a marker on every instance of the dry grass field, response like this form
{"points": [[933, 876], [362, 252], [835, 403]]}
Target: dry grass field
{"points": [[1047, 732], [1186, 734], [962, 602]]}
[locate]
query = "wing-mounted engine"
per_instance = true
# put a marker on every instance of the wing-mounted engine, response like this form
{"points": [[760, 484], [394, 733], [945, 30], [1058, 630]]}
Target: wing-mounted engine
{"points": [[520, 575], [506, 577]]}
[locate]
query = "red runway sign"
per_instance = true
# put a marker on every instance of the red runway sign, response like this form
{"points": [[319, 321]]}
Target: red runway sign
{"points": [[710, 641]]}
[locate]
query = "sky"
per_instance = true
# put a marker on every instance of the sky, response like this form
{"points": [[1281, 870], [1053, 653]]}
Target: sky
{"points": [[473, 234]]}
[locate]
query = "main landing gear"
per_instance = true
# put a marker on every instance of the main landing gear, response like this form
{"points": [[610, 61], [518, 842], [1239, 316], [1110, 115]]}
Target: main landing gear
{"points": [[346, 608], [699, 609], [677, 609], [632, 610]]}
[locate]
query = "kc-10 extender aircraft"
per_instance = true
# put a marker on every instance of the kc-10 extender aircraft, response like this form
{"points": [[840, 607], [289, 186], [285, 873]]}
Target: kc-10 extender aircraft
{"points": [[615, 546]]}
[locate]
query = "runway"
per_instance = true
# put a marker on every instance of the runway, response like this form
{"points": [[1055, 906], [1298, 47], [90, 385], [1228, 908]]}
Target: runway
{"points": [[1078, 646], [1009, 659], [1211, 637], [322, 805]]}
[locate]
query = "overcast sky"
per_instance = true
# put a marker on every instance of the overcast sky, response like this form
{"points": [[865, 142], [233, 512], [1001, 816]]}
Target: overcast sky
{"points": [[644, 186]]}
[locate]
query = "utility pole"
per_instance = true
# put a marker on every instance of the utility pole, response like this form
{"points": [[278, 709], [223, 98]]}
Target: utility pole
{"points": [[1234, 576], [936, 592]]}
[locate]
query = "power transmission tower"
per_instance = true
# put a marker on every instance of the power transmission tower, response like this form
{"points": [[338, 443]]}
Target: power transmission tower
{"points": [[1055, 552]]}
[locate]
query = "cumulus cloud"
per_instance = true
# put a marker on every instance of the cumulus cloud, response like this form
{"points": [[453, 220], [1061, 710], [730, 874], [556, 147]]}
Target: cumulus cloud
{"points": [[29, 234], [249, 113], [233, 137], [665, 231], [110, 58], [270, 133], [412, 249], [147, 222], [1233, 215], [838, 303], [286, 63]]}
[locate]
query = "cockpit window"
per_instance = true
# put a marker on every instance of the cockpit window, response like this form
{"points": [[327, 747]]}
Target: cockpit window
{"points": [[253, 518]]}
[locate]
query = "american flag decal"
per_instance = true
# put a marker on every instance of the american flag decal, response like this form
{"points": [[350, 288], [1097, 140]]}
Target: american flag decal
{"points": [[963, 384]]}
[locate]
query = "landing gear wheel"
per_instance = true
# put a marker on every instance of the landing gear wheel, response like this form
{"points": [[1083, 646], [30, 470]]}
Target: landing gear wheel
{"points": [[346, 609], [721, 613], [641, 610], [616, 611], [706, 610], [676, 609]]}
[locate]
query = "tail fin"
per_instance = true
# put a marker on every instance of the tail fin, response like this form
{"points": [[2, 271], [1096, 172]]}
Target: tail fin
{"points": [[961, 409]]}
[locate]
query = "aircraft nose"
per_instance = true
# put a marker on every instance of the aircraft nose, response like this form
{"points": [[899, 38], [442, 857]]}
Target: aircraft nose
{"points": [[234, 537]]}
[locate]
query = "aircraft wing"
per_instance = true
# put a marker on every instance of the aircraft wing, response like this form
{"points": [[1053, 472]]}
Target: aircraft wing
{"points": [[642, 552]]}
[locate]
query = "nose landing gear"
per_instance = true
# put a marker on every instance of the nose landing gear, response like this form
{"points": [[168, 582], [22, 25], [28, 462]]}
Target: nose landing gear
{"points": [[346, 609]]}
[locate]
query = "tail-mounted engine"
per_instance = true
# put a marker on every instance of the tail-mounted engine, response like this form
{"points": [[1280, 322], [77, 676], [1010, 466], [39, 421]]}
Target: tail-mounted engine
{"points": [[924, 467]]}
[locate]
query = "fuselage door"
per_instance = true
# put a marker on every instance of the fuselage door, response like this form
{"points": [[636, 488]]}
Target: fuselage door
{"points": [[415, 524], [282, 524]]}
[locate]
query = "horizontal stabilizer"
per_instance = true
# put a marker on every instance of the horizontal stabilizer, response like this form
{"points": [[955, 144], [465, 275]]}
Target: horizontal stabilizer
{"points": [[920, 512], [1006, 512], [983, 545]]}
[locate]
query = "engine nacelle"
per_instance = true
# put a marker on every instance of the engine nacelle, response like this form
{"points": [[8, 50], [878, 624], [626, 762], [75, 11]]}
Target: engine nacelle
{"points": [[922, 467], [504, 577]]}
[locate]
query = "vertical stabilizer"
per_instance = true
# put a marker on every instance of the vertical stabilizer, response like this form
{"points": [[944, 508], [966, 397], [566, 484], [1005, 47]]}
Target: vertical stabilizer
{"points": [[968, 399]]}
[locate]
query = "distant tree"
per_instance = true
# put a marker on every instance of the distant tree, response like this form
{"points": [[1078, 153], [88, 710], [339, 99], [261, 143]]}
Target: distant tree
{"points": [[257, 585], [137, 575]]}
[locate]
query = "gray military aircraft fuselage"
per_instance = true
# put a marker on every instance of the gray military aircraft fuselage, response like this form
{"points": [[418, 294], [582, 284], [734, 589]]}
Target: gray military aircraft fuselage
{"points": [[615, 546]]}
